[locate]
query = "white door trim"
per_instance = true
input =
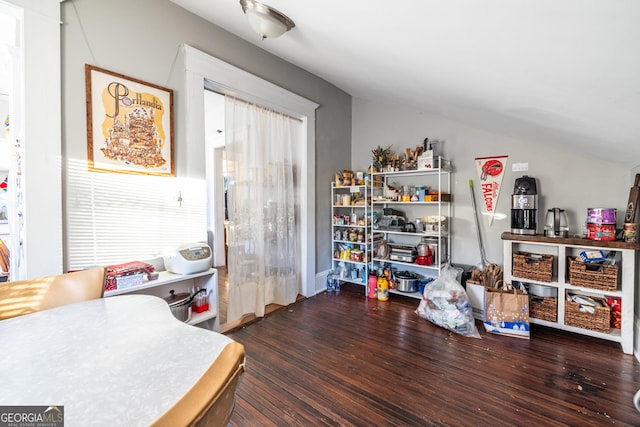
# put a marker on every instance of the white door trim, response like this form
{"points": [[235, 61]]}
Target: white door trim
{"points": [[201, 69], [37, 125]]}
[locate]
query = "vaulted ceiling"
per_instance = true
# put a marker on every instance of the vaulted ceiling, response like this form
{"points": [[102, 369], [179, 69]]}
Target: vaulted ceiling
{"points": [[562, 72]]}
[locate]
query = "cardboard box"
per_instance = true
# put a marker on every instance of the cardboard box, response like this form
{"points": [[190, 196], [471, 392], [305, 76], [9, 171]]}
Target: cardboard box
{"points": [[476, 292], [427, 161], [130, 280], [124, 272]]}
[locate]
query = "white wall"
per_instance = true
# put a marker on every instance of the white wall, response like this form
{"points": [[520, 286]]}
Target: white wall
{"points": [[565, 179]]}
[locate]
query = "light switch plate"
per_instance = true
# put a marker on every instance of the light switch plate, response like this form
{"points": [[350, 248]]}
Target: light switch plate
{"points": [[519, 167]]}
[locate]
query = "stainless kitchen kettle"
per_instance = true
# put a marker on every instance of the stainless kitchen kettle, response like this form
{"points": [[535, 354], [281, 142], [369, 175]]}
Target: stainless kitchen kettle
{"points": [[555, 224]]}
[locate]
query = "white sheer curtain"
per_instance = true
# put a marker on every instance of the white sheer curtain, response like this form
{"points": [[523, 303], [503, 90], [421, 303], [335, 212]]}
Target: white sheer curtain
{"points": [[262, 225]]}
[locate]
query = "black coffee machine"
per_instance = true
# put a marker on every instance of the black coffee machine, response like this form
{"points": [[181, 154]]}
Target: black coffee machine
{"points": [[524, 205]]}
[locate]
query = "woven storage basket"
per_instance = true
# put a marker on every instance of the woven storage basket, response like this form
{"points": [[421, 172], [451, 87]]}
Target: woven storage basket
{"points": [[598, 321], [532, 266], [543, 308], [604, 277]]}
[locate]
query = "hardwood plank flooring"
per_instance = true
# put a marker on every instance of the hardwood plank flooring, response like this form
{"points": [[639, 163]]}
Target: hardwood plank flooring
{"points": [[223, 304], [344, 360], [223, 294]]}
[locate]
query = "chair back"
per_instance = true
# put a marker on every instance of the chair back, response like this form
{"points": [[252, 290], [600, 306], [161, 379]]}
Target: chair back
{"points": [[31, 295]]}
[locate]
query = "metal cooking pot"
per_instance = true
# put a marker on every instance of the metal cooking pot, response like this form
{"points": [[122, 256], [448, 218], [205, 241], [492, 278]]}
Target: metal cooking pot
{"points": [[542, 291], [406, 281], [180, 304]]}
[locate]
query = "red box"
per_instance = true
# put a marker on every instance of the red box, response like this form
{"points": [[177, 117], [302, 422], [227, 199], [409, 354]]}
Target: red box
{"points": [[201, 308], [616, 311], [604, 232], [125, 269]]}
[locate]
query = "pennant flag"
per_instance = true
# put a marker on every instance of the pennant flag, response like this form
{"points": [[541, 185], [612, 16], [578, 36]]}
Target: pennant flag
{"points": [[490, 172]]}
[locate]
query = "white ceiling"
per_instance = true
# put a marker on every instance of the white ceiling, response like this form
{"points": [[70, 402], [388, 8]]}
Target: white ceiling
{"points": [[563, 71]]}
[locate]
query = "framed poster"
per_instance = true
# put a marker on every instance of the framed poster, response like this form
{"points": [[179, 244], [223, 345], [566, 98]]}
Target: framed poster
{"points": [[129, 124]]}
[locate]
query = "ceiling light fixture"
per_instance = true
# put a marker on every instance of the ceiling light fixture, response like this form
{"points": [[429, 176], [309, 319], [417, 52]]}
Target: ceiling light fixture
{"points": [[265, 20]]}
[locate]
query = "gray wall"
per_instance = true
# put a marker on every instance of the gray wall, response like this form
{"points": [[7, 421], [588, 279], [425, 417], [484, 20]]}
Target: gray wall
{"points": [[565, 179], [140, 39]]}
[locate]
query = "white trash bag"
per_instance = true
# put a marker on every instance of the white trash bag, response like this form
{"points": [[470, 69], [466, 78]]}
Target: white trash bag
{"points": [[446, 304]]}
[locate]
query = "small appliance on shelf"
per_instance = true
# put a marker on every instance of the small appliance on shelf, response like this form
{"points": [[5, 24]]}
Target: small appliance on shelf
{"points": [[189, 258], [555, 224], [524, 206], [402, 253], [425, 257]]}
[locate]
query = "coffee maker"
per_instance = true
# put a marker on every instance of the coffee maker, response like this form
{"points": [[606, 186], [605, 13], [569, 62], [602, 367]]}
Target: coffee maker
{"points": [[524, 206]]}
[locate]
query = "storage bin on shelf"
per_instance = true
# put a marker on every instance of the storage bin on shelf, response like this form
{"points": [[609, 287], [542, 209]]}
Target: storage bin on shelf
{"points": [[532, 266], [597, 276], [435, 196], [543, 308], [543, 302], [597, 321]]}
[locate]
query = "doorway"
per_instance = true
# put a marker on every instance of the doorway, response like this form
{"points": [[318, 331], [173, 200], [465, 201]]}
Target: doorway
{"points": [[202, 70], [216, 192], [278, 277]]}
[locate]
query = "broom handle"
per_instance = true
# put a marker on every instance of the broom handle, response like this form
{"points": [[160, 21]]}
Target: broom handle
{"points": [[475, 217]]}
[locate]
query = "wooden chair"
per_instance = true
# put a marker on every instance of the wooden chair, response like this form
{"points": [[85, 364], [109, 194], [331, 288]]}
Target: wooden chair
{"points": [[4, 258], [28, 296]]}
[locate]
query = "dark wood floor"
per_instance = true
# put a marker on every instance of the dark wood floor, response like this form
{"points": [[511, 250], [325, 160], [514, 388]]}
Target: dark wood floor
{"points": [[223, 304], [223, 294], [341, 359]]}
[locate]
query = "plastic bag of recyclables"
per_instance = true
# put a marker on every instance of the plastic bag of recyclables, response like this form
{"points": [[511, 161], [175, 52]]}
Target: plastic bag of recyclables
{"points": [[446, 304]]}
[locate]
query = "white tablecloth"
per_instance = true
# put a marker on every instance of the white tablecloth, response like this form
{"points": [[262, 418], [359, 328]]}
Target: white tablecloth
{"points": [[120, 361]]}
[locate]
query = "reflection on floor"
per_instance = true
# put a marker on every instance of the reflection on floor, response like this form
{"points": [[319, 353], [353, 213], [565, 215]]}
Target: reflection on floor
{"points": [[223, 295], [223, 298]]}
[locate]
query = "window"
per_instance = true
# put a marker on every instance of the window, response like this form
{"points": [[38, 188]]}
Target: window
{"points": [[113, 218]]}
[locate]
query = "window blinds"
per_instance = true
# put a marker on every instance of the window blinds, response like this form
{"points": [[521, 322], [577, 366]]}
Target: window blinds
{"points": [[113, 218]]}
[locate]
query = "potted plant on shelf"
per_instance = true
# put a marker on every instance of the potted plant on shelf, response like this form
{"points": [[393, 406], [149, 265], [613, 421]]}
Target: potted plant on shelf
{"points": [[381, 157]]}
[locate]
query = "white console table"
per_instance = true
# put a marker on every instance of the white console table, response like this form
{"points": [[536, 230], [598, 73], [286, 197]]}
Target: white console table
{"points": [[182, 283], [561, 248]]}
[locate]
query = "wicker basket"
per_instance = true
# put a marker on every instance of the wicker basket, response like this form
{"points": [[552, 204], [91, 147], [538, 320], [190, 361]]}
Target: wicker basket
{"points": [[533, 266], [604, 277], [543, 308], [598, 321]]}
